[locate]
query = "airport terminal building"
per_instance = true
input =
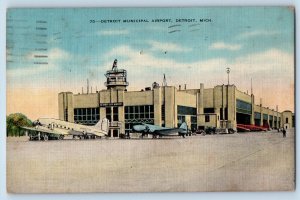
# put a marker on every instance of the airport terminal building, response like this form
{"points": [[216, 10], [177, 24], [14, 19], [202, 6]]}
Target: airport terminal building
{"points": [[222, 106]]}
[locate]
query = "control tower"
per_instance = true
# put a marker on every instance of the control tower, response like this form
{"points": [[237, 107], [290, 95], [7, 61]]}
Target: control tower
{"points": [[116, 78]]}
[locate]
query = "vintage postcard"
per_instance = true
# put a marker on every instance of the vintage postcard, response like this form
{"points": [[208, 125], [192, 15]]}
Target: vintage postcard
{"points": [[150, 99]]}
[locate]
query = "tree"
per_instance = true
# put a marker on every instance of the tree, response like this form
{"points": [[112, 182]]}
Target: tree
{"points": [[14, 122]]}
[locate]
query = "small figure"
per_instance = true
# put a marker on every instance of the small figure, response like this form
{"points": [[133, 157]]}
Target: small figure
{"points": [[115, 67], [128, 135], [284, 132]]}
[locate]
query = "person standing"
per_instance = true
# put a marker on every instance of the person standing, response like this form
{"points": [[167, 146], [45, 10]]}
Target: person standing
{"points": [[284, 132]]}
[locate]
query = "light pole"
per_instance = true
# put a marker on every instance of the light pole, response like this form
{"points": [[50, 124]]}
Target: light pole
{"points": [[227, 103], [228, 72]]}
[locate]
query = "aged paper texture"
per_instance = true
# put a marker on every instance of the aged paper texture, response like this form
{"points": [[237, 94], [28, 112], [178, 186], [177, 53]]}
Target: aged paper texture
{"points": [[150, 99]]}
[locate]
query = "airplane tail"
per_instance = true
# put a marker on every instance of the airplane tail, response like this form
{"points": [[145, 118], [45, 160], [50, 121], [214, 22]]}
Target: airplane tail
{"points": [[183, 126], [103, 125], [183, 129]]}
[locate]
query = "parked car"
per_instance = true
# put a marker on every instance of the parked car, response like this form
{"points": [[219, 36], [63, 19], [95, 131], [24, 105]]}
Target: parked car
{"points": [[210, 130], [231, 131], [199, 131]]}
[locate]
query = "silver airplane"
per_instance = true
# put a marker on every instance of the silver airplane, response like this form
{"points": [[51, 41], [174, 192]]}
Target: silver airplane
{"points": [[161, 131], [45, 128]]}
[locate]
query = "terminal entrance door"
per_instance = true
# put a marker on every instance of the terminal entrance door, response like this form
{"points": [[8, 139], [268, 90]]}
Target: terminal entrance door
{"points": [[243, 112], [112, 115], [242, 118], [115, 133], [271, 123], [257, 122]]}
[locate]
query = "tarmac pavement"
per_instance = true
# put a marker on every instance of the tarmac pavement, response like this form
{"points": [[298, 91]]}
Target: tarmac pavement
{"points": [[256, 161]]}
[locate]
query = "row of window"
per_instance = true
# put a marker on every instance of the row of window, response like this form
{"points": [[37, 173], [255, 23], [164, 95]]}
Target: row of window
{"points": [[138, 114], [243, 107], [66, 117], [86, 111], [257, 115], [139, 109], [185, 110], [91, 116], [87, 116], [163, 112], [209, 110], [224, 116], [193, 123], [265, 116], [112, 113], [194, 119]]}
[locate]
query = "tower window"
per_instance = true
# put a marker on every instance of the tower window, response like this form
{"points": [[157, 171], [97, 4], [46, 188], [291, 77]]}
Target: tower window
{"points": [[207, 119]]}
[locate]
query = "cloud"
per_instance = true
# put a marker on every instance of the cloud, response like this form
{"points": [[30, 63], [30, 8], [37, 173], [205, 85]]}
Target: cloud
{"points": [[113, 32], [55, 57], [222, 45], [134, 59], [269, 60], [272, 72], [273, 77], [147, 65], [257, 33], [272, 59], [167, 47], [53, 54], [58, 54]]}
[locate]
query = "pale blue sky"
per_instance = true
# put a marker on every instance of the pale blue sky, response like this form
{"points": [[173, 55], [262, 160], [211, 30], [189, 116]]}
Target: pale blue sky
{"points": [[255, 42]]}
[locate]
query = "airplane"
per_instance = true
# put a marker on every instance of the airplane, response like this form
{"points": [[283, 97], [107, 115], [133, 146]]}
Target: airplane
{"points": [[46, 128], [161, 131]]}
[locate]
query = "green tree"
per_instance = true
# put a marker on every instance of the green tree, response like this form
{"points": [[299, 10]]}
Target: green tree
{"points": [[14, 122]]}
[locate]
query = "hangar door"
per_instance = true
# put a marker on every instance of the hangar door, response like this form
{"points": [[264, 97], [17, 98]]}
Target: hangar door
{"points": [[265, 121], [271, 121], [243, 112], [257, 118]]}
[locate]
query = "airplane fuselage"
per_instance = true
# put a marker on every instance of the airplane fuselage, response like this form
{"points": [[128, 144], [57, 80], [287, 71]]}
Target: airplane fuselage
{"points": [[70, 128], [160, 131]]}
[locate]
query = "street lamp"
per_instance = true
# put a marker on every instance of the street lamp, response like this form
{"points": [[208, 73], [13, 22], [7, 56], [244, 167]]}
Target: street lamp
{"points": [[227, 103], [228, 72]]}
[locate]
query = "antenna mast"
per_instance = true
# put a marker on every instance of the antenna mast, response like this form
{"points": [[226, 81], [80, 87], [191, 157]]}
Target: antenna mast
{"points": [[164, 81], [251, 87], [87, 86]]}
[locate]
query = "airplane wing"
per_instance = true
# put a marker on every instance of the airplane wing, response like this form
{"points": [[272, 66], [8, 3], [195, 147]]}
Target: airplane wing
{"points": [[153, 129], [46, 130], [167, 131]]}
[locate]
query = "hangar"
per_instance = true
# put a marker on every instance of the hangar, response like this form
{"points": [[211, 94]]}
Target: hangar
{"points": [[223, 106]]}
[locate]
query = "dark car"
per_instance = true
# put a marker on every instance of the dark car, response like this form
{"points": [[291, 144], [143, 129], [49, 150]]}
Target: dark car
{"points": [[210, 130], [231, 131]]}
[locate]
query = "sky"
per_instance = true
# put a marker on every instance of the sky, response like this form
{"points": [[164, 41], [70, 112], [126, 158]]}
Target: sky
{"points": [[78, 44]]}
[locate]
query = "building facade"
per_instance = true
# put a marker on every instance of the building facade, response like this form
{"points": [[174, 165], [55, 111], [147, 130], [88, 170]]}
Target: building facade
{"points": [[222, 106]]}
